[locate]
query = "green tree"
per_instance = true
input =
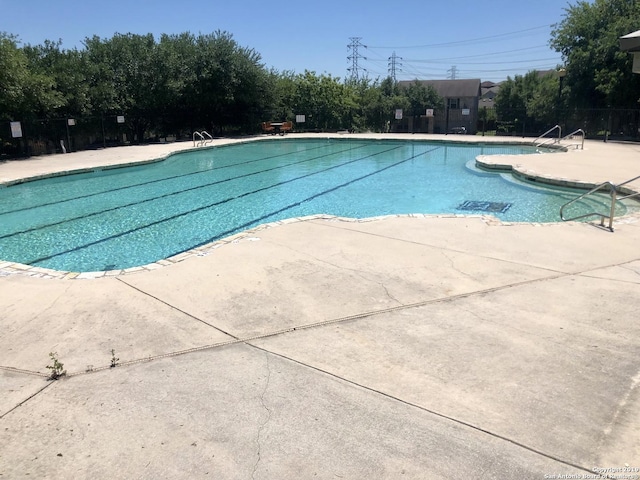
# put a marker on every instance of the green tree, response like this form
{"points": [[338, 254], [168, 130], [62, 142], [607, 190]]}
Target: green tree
{"points": [[176, 55], [421, 97], [544, 104], [13, 74], [325, 101], [418, 98], [528, 101], [66, 68], [282, 101], [376, 103], [393, 97], [598, 72], [228, 86], [24, 94], [126, 77]]}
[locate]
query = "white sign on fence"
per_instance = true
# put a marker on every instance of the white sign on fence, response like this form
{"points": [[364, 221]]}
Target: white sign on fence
{"points": [[120, 119], [16, 129], [399, 114], [429, 112], [300, 119]]}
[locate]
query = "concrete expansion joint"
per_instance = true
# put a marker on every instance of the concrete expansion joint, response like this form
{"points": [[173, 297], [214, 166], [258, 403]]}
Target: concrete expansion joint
{"points": [[429, 411], [263, 425], [247, 340], [177, 309], [26, 400]]}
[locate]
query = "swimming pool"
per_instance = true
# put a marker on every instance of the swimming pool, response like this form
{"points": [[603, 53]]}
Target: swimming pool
{"points": [[116, 218]]}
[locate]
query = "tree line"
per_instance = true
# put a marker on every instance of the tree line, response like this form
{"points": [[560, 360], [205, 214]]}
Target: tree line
{"points": [[595, 77], [184, 82]]}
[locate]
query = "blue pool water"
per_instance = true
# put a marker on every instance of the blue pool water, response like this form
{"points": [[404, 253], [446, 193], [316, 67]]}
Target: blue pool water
{"points": [[124, 217]]}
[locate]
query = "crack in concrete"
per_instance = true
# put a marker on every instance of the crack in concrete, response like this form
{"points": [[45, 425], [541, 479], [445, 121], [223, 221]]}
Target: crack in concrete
{"points": [[389, 293], [264, 405], [635, 381], [630, 269], [445, 247], [453, 265], [60, 297], [361, 273]]}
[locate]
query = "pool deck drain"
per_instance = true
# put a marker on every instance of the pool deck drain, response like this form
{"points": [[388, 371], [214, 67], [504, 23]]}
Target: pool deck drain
{"points": [[400, 347]]}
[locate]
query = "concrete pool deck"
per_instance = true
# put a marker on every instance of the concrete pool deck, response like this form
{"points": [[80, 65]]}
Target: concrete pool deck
{"points": [[404, 347]]}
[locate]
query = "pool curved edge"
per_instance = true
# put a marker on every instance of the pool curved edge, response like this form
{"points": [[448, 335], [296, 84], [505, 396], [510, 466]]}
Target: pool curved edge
{"points": [[12, 268], [489, 163]]}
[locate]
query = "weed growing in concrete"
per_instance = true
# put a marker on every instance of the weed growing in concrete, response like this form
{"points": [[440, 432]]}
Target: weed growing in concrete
{"points": [[57, 370], [114, 360]]}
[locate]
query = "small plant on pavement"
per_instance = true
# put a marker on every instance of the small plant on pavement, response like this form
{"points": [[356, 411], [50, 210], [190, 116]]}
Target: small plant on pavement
{"points": [[56, 368], [114, 360]]}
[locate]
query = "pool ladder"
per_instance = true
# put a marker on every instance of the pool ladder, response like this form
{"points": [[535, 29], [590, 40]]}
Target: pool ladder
{"points": [[613, 192], [203, 137], [559, 138]]}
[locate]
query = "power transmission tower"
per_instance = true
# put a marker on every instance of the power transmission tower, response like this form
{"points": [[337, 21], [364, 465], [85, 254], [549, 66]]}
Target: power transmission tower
{"points": [[452, 72], [354, 69], [394, 65]]}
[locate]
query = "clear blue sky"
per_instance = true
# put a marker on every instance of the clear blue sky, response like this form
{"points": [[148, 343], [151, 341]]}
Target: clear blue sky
{"points": [[486, 40]]}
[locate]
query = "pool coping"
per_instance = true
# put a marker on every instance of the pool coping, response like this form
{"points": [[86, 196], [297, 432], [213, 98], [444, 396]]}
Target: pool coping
{"points": [[11, 268], [532, 176], [8, 268]]}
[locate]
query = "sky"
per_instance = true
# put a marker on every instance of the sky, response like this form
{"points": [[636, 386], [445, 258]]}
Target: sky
{"points": [[428, 39]]}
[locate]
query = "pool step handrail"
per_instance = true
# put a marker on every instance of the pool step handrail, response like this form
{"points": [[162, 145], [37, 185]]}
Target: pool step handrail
{"points": [[200, 136], [548, 140], [573, 134], [204, 137], [613, 192], [208, 139]]}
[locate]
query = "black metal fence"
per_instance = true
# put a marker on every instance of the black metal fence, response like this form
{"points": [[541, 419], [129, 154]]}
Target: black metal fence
{"points": [[56, 135], [602, 124], [59, 135]]}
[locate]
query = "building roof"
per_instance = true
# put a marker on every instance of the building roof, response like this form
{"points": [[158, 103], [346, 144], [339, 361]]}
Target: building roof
{"points": [[630, 42], [450, 88]]}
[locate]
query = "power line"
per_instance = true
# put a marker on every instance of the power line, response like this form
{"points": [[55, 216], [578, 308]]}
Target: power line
{"points": [[462, 42], [508, 62], [448, 59], [524, 59]]}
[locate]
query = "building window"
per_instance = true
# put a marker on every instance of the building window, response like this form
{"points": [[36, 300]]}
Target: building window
{"points": [[453, 103]]}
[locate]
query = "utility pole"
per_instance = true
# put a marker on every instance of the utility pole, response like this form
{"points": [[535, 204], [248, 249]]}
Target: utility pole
{"points": [[394, 65], [354, 69], [452, 72]]}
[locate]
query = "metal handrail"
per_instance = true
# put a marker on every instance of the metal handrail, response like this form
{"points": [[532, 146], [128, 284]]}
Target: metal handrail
{"points": [[578, 131], [203, 141], [209, 137], [201, 138], [546, 133], [613, 192], [591, 214]]}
